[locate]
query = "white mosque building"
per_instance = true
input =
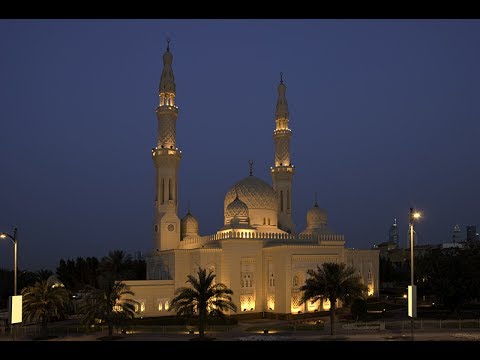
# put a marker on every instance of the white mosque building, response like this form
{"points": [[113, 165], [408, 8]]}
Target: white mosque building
{"points": [[257, 252]]}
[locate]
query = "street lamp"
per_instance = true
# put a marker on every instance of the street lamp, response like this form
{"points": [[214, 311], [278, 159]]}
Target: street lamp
{"points": [[412, 290], [15, 252]]}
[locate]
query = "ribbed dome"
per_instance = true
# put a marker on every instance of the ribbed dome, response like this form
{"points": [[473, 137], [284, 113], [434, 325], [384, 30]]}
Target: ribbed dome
{"points": [[237, 210], [189, 226], [316, 217], [254, 192]]}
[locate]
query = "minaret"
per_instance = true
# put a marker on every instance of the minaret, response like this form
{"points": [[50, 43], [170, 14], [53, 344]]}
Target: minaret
{"points": [[166, 158], [282, 172]]}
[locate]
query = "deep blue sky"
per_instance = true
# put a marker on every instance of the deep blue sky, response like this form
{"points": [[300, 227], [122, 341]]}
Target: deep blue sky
{"points": [[384, 114]]}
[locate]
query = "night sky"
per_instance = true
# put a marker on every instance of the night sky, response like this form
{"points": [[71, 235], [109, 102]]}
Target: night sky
{"points": [[384, 116]]}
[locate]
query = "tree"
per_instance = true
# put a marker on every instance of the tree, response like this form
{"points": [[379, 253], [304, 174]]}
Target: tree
{"points": [[118, 264], [450, 275], [78, 274], [359, 308], [109, 305], [204, 297], [44, 274], [44, 301], [334, 282]]}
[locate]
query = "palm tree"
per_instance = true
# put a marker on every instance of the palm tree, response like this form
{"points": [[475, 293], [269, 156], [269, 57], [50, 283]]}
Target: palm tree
{"points": [[44, 301], [334, 282], [117, 264], [204, 297], [109, 305], [44, 274]]}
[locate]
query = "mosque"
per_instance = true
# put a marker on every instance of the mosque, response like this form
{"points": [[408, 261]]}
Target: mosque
{"points": [[258, 252]]}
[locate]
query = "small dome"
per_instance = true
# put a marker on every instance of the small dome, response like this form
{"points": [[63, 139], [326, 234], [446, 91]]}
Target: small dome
{"points": [[188, 226], [316, 217], [237, 211], [53, 281]]}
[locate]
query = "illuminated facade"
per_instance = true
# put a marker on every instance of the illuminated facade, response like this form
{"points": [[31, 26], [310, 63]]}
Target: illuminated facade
{"points": [[257, 252]]}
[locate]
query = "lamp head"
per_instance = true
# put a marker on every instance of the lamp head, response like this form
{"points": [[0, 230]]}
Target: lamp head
{"points": [[3, 236], [414, 215]]}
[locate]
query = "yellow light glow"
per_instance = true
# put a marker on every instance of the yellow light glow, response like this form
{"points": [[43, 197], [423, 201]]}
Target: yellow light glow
{"points": [[166, 305], [404, 296], [15, 307], [160, 306], [326, 304], [271, 302], [370, 290], [417, 215], [142, 307], [3, 236], [247, 303]]}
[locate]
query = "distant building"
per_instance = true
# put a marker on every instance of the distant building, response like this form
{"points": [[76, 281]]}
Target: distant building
{"points": [[138, 256], [472, 234], [452, 245], [457, 235], [393, 233]]}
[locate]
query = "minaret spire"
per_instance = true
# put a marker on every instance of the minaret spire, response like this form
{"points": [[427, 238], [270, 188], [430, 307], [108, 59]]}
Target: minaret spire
{"points": [[282, 172], [281, 113], [166, 90], [316, 202], [251, 167]]}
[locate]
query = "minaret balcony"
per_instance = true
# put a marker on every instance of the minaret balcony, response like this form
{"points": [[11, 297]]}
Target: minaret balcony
{"points": [[167, 109], [159, 151], [283, 168], [284, 132]]}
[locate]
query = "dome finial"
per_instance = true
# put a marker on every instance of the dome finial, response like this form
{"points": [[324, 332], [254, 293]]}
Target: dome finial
{"points": [[316, 203], [251, 167], [168, 44], [281, 77]]}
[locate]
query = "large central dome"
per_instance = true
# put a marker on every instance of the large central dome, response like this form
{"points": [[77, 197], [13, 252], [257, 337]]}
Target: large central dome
{"points": [[254, 192], [260, 199]]}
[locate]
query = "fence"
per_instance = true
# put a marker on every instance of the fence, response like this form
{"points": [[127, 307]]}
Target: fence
{"points": [[405, 325], [33, 331]]}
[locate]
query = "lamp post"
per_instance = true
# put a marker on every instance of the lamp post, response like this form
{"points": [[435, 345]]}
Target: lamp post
{"points": [[15, 253], [412, 291]]}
